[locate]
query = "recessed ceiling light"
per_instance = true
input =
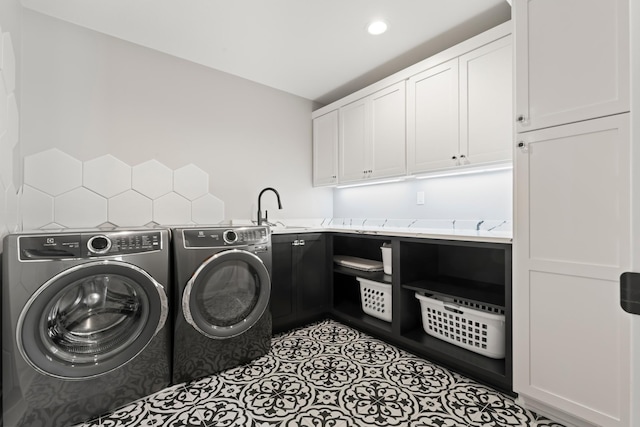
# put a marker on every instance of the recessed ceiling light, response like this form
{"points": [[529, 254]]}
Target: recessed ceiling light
{"points": [[377, 27]]}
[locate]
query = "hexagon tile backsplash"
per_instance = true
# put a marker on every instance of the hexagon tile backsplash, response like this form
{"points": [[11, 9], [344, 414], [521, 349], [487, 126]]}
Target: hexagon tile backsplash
{"points": [[61, 191], [9, 138]]}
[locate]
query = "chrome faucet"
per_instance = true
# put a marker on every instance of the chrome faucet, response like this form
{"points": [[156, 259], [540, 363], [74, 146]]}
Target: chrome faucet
{"points": [[478, 225], [262, 220]]}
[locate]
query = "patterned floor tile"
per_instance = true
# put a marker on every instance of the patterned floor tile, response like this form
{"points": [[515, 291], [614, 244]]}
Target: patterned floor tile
{"points": [[328, 375]]}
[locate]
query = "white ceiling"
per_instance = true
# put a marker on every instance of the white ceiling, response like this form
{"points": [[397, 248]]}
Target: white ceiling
{"points": [[316, 49]]}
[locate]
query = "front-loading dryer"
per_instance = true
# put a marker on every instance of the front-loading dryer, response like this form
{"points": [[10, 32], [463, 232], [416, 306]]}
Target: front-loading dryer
{"points": [[223, 287], [85, 327]]}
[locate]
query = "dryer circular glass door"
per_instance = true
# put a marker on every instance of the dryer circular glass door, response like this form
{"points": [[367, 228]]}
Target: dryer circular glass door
{"points": [[90, 319], [227, 294]]}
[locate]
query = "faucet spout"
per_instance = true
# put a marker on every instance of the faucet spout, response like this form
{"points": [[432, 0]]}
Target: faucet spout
{"points": [[264, 219]]}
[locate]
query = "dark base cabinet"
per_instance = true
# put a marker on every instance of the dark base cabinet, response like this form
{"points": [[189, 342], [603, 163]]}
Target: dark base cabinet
{"points": [[300, 278], [475, 273]]}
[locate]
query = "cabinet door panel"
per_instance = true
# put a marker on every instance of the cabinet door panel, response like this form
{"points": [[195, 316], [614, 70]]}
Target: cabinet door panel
{"points": [[577, 353], [486, 105], [282, 281], [354, 138], [325, 149], [311, 277], [572, 242], [388, 154], [572, 60], [432, 118]]}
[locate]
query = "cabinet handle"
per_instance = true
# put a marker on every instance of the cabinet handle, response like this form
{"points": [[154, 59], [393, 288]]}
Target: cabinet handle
{"points": [[454, 157], [301, 243], [520, 118], [523, 146], [462, 156], [295, 243]]}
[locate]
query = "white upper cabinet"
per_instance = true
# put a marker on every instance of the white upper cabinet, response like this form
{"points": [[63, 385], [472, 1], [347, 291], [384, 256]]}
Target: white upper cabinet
{"points": [[432, 118], [325, 149], [450, 110], [459, 112], [486, 103], [372, 136], [572, 61]]}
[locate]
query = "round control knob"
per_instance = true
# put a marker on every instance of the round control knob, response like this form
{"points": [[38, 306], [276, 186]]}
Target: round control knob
{"points": [[99, 244], [230, 236]]}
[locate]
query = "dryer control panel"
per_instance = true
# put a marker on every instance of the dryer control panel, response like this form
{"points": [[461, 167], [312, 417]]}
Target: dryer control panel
{"points": [[225, 237], [87, 245]]}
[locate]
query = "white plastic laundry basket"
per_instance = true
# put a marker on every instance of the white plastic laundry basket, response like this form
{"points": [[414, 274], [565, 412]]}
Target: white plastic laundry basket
{"points": [[376, 298], [478, 330]]}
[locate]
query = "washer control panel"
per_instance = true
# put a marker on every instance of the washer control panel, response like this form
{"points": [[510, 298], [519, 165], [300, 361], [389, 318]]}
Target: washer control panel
{"points": [[87, 245], [225, 237]]}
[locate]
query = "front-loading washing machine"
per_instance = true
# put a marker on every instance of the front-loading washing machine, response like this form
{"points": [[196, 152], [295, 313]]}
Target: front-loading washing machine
{"points": [[223, 287], [85, 327]]}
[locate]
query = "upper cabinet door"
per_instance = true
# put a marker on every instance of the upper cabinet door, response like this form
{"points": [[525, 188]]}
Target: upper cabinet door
{"points": [[325, 149], [486, 103], [388, 124], [372, 136], [432, 118], [353, 140], [572, 61]]}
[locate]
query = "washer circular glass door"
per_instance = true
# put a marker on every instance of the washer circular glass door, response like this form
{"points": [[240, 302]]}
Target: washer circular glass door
{"points": [[227, 294], [90, 319]]}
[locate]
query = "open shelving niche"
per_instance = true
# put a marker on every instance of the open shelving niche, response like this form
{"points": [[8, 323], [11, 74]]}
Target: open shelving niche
{"points": [[476, 272]]}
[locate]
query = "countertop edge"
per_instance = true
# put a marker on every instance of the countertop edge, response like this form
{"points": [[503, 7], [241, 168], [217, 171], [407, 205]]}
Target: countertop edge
{"points": [[462, 235]]}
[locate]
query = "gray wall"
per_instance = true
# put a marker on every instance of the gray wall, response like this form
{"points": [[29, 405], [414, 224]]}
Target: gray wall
{"points": [[90, 95]]}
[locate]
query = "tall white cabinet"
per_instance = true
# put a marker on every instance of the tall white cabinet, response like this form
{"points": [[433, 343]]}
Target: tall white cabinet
{"points": [[573, 217]]}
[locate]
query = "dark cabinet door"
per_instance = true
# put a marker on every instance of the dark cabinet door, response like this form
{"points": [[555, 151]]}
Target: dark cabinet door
{"points": [[282, 287], [311, 272], [299, 287]]}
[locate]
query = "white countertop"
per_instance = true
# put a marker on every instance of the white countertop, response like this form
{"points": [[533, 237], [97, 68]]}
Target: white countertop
{"points": [[469, 235]]}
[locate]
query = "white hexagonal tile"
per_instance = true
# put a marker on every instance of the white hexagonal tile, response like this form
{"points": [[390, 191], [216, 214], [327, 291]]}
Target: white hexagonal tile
{"points": [[13, 121], [52, 226], [3, 208], [8, 143], [36, 208], [80, 208], [8, 64], [172, 209], [52, 171], [190, 181], [130, 209], [152, 179], [12, 220], [4, 111], [107, 176], [207, 209], [17, 167], [6, 160]]}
